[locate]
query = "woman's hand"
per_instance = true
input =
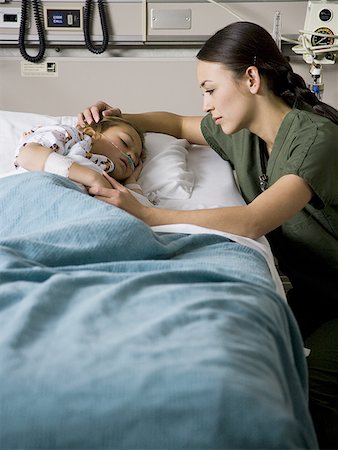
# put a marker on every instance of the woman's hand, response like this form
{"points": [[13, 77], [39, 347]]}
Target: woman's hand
{"points": [[99, 181], [95, 112], [119, 196], [134, 176]]}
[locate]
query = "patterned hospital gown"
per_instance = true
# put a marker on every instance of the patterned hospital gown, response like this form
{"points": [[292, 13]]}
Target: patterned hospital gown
{"points": [[67, 141]]}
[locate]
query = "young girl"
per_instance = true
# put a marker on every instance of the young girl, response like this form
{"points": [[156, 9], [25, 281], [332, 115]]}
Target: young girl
{"points": [[283, 143], [112, 146]]}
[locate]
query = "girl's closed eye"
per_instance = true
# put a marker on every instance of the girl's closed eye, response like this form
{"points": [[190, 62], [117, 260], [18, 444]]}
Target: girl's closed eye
{"points": [[124, 144]]}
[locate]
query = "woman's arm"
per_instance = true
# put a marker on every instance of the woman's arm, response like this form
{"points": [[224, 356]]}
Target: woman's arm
{"points": [[268, 211], [33, 157], [183, 127]]}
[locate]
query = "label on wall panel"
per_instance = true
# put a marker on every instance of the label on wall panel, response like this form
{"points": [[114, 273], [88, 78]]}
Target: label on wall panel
{"points": [[43, 69]]}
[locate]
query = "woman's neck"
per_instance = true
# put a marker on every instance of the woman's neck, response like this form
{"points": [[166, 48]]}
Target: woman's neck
{"points": [[269, 117]]}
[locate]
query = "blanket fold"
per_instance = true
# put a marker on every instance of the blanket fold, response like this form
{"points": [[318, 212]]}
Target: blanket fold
{"points": [[116, 337]]}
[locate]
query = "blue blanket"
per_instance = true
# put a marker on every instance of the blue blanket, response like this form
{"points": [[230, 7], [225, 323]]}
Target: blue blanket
{"points": [[114, 337]]}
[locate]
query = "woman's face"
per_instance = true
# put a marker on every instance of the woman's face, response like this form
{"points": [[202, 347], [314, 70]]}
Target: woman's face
{"points": [[122, 144], [227, 99]]}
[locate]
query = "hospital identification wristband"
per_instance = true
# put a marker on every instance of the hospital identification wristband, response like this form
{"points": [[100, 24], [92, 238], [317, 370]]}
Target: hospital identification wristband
{"points": [[58, 164]]}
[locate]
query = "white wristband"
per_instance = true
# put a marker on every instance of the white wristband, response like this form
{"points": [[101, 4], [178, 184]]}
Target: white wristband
{"points": [[133, 186], [58, 164]]}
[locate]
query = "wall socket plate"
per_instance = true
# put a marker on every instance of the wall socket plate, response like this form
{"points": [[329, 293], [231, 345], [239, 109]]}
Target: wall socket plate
{"points": [[10, 17]]}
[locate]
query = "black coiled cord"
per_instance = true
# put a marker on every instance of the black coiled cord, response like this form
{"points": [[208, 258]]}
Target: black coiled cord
{"points": [[40, 29], [104, 26]]}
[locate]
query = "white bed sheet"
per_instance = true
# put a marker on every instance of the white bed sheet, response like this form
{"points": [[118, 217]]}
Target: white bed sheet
{"points": [[213, 181]]}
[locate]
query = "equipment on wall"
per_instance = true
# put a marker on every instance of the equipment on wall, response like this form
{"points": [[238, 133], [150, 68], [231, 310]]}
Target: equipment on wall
{"points": [[38, 17], [62, 19], [318, 42], [87, 15]]}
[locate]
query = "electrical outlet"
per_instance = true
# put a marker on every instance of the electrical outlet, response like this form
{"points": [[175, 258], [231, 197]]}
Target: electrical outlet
{"points": [[10, 17]]}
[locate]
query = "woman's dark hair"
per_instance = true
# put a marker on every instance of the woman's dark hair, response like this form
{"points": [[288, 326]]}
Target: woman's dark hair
{"points": [[243, 44]]}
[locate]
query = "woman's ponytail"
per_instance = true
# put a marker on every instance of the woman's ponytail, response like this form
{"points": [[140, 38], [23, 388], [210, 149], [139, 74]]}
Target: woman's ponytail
{"points": [[300, 93]]}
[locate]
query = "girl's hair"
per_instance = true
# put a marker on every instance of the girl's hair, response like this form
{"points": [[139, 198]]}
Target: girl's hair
{"points": [[108, 122], [243, 44]]}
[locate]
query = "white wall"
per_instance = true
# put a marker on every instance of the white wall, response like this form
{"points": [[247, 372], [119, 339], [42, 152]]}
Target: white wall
{"points": [[133, 84]]}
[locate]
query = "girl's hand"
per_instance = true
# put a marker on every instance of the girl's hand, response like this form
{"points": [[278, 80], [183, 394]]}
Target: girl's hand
{"points": [[119, 196]]}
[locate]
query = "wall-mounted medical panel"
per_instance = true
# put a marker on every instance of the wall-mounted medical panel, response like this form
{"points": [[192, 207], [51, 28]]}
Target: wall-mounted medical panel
{"points": [[145, 22], [63, 22], [194, 21], [63, 18]]}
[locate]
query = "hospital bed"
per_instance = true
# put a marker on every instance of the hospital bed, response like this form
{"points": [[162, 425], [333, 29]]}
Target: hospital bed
{"points": [[115, 335]]}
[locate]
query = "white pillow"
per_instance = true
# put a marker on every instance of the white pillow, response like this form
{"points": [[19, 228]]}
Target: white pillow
{"points": [[165, 170], [165, 173]]}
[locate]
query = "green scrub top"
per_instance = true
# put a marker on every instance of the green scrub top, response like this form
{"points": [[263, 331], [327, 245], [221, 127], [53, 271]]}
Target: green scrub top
{"points": [[306, 246]]}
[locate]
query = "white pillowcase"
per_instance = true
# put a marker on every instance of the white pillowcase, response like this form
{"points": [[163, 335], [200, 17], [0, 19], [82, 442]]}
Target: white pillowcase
{"points": [[165, 170], [165, 173]]}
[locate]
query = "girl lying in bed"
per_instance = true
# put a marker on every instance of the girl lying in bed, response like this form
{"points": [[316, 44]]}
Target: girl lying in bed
{"points": [[84, 154]]}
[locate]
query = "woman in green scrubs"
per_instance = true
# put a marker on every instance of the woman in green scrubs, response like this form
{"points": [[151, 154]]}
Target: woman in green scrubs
{"points": [[283, 144]]}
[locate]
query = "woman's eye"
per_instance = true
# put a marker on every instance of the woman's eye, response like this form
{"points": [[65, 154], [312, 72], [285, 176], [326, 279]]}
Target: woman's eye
{"points": [[209, 91]]}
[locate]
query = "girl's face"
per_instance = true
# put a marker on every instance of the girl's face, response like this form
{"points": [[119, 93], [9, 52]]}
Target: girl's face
{"points": [[122, 144], [227, 99]]}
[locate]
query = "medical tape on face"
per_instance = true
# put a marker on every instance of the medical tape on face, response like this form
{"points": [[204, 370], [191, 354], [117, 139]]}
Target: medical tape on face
{"points": [[130, 160], [58, 164]]}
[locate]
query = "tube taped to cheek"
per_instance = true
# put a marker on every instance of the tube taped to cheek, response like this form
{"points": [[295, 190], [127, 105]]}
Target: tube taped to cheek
{"points": [[58, 164]]}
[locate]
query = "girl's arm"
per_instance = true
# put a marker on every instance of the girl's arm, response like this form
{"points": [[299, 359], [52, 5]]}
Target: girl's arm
{"points": [[268, 211], [182, 127], [33, 157]]}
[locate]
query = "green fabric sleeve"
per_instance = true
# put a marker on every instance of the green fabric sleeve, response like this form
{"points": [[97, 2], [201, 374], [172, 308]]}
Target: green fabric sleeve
{"points": [[314, 157]]}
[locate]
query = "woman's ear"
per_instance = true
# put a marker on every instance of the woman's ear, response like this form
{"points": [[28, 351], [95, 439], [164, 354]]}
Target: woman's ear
{"points": [[253, 79]]}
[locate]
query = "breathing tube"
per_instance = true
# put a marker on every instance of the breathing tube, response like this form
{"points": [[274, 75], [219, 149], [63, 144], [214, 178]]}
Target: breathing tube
{"points": [[40, 30], [86, 27]]}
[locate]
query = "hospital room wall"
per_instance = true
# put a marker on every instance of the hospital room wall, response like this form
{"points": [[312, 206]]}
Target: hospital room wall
{"points": [[147, 80], [134, 85]]}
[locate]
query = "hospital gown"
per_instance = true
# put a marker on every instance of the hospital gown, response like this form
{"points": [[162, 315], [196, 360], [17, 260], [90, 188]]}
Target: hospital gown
{"points": [[67, 141]]}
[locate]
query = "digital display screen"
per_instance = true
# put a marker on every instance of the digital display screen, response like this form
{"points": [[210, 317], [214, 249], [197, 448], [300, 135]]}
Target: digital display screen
{"points": [[58, 19]]}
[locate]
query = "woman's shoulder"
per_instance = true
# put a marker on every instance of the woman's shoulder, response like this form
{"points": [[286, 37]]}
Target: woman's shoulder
{"points": [[304, 117], [308, 129], [308, 148]]}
